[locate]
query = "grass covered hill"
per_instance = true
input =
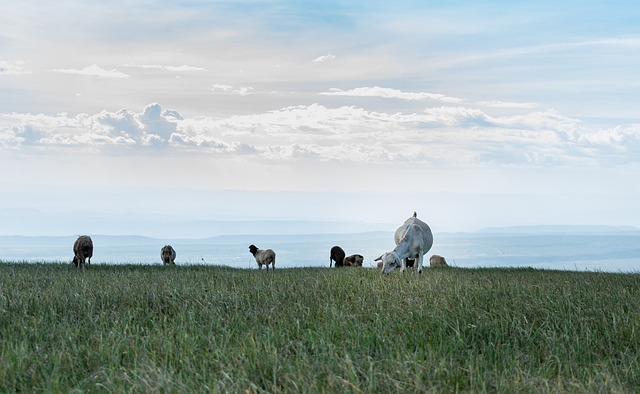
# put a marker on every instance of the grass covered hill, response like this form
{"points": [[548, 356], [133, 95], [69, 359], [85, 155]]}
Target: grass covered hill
{"points": [[214, 329]]}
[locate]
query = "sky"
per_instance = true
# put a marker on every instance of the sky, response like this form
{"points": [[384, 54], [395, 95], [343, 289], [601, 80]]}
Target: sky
{"points": [[142, 117]]}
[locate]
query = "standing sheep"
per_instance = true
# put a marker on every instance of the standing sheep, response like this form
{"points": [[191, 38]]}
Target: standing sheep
{"points": [[337, 255], [265, 257], [168, 255], [413, 240], [82, 250]]}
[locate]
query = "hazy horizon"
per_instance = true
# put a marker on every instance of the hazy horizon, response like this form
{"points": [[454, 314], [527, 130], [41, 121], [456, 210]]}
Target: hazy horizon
{"points": [[126, 117], [598, 249]]}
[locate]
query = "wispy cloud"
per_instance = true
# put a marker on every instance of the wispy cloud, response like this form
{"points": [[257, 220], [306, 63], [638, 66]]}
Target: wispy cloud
{"points": [[377, 91], [13, 68], [242, 90], [93, 70], [324, 58], [181, 68], [506, 104]]}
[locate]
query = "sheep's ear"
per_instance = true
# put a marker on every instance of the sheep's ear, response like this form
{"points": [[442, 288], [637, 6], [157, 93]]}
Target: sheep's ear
{"points": [[379, 258]]}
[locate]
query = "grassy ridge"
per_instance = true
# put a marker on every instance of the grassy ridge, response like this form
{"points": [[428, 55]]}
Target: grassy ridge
{"points": [[197, 328]]}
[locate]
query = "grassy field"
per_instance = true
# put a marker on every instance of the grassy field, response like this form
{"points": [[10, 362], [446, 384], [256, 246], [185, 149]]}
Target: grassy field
{"points": [[215, 329]]}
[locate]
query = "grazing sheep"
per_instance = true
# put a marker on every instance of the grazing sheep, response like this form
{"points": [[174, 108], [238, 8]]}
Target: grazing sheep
{"points": [[337, 255], [265, 257], [82, 250], [413, 240], [355, 260], [437, 261], [168, 255]]}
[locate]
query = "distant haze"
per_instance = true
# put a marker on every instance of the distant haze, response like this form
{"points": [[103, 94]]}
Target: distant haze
{"points": [[601, 248], [194, 119]]}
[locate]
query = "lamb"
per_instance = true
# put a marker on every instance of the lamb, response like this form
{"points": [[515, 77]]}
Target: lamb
{"points": [[355, 260], [265, 257], [82, 250], [437, 261], [413, 240], [337, 254], [168, 255]]}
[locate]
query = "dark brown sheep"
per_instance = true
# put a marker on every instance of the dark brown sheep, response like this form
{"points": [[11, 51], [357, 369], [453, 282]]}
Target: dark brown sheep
{"points": [[168, 255], [337, 255], [82, 250]]}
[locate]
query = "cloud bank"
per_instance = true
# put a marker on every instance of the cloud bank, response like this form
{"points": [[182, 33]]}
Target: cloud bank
{"points": [[438, 135]]}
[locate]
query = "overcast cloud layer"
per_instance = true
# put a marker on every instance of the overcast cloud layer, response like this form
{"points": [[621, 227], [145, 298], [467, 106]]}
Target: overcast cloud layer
{"points": [[369, 101]]}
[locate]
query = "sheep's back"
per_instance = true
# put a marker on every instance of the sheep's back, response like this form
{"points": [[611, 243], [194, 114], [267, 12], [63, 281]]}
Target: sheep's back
{"points": [[84, 246], [266, 256]]}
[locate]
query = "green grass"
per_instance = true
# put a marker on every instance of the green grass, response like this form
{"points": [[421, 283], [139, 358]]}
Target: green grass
{"points": [[214, 329]]}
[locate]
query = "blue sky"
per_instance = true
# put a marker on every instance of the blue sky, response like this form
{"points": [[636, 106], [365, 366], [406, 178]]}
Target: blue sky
{"points": [[473, 114]]}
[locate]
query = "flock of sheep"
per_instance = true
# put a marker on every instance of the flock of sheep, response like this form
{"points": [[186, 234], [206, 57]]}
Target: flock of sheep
{"points": [[413, 240]]}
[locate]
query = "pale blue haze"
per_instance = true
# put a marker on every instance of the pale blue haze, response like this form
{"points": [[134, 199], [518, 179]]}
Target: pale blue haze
{"points": [[158, 117], [606, 251]]}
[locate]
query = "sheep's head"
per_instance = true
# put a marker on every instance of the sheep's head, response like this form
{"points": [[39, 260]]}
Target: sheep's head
{"points": [[166, 252], [390, 261], [253, 249]]}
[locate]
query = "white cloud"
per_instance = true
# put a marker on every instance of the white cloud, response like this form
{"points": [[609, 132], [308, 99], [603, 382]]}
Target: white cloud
{"points": [[242, 91], [13, 68], [181, 68], [324, 58], [505, 104], [457, 136], [123, 123], [155, 122], [377, 91], [95, 71]]}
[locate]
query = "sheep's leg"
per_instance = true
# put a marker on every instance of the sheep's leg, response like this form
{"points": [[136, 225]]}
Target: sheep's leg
{"points": [[403, 265], [420, 258]]}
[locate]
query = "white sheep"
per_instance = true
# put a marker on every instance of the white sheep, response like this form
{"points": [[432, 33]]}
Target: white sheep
{"points": [[265, 257], [168, 255], [82, 250], [413, 240]]}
